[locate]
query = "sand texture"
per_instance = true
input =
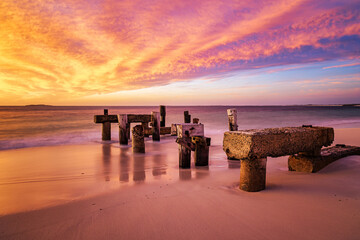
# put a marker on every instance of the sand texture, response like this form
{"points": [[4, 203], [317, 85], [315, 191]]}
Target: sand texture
{"points": [[103, 191]]}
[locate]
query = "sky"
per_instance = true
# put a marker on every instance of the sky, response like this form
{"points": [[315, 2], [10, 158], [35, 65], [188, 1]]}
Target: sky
{"points": [[179, 52]]}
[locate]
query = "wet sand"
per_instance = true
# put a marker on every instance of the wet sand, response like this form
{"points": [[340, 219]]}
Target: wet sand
{"points": [[102, 191]]}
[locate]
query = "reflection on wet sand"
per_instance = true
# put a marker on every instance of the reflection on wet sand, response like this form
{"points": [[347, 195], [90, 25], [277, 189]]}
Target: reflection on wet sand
{"points": [[106, 156], [139, 168], [201, 172], [234, 163], [184, 174], [159, 163], [124, 165], [187, 174]]}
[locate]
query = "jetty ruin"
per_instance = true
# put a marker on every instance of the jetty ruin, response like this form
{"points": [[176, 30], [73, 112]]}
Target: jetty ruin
{"points": [[303, 144], [155, 119]]}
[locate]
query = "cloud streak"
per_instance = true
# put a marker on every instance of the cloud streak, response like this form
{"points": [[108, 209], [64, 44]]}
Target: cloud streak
{"points": [[79, 48]]}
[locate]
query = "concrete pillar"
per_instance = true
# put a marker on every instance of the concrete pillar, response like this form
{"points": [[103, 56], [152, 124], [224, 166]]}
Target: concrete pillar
{"points": [[252, 174], [138, 142]]}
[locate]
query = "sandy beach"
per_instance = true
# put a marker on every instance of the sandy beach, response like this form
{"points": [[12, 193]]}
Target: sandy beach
{"points": [[103, 191]]}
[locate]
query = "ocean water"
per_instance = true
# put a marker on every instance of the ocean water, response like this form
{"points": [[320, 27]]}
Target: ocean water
{"points": [[34, 126]]}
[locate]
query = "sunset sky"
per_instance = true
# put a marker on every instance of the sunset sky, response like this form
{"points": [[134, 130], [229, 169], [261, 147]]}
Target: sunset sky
{"points": [[179, 52]]}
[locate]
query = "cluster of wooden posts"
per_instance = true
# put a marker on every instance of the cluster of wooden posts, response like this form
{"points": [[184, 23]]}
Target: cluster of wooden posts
{"points": [[156, 128], [190, 136]]}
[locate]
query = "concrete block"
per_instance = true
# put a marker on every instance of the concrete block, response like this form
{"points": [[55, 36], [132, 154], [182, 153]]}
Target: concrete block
{"points": [[303, 163], [275, 142]]}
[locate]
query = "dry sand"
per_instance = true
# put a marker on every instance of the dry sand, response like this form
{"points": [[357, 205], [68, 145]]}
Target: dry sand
{"points": [[102, 191]]}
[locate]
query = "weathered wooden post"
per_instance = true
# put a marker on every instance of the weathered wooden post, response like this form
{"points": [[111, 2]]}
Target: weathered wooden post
{"points": [[106, 121], [185, 148], [232, 115], [184, 157], [185, 132], [162, 115], [123, 126], [138, 142], [106, 128], [201, 150], [155, 120], [187, 117], [145, 126], [195, 120]]}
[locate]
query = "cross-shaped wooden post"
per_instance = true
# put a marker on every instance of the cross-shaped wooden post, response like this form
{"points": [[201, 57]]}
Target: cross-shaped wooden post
{"points": [[106, 121]]}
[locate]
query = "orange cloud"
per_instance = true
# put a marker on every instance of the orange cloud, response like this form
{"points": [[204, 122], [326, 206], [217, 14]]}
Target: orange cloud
{"points": [[74, 48]]}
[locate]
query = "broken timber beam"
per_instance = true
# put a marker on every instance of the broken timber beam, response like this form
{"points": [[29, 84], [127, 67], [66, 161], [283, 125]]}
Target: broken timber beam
{"points": [[142, 118], [163, 131], [303, 163]]}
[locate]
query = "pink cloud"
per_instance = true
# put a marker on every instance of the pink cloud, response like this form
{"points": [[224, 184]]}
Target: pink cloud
{"points": [[84, 47], [343, 65]]}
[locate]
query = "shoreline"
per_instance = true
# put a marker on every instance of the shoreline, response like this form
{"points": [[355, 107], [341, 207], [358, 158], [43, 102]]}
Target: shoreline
{"points": [[129, 196]]}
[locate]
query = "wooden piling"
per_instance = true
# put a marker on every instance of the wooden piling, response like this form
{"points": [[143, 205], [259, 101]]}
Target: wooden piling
{"points": [[196, 120], [123, 126], [106, 121], [185, 148], [162, 115], [184, 157], [201, 155], [106, 131], [145, 126], [232, 115], [106, 128], [252, 174], [155, 120], [138, 142], [187, 117]]}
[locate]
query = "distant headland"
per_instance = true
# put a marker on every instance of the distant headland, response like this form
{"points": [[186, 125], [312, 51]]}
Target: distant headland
{"points": [[38, 105]]}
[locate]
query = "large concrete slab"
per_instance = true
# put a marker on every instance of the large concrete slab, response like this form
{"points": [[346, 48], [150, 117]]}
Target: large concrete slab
{"points": [[275, 142]]}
